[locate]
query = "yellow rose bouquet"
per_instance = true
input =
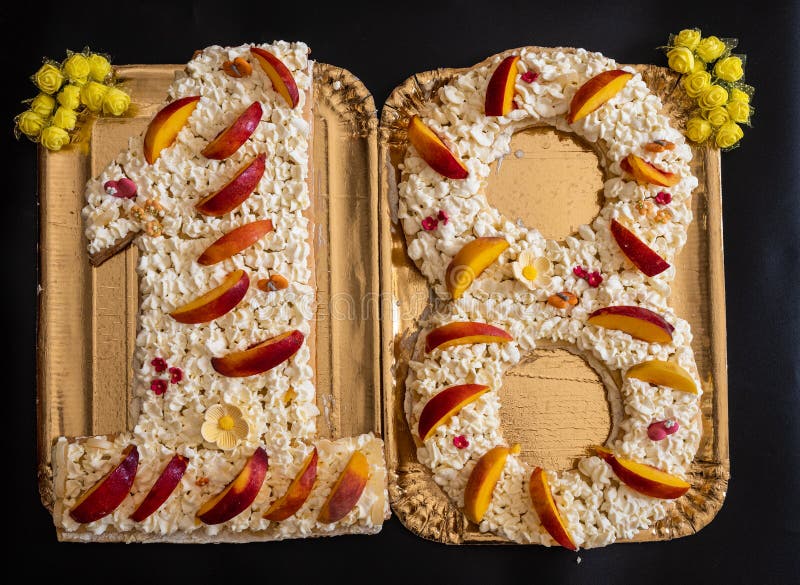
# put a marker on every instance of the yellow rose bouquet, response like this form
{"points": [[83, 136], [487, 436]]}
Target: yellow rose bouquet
{"points": [[83, 83], [714, 77]]}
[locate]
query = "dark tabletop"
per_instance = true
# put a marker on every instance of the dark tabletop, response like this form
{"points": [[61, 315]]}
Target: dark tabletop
{"points": [[756, 536]]}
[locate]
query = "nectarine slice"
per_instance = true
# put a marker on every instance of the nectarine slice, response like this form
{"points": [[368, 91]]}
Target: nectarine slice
{"points": [[595, 92], [235, 241], [165, 126], [235, 191], [482, 481], [215, 302], [261, 357], [663, 373], [442, 407], [643, 478], [434, 151], [470, 261], [297, 492], [231, 138], [500, 91], [642, 256], [282, 79], [637, 322], [347, 490], [167, 481], [546, 509], [463, 333], [239, 494], [107, 494], [645, 172]]}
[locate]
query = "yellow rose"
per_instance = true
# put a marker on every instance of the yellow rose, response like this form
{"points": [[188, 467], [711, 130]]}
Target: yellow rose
{"points": [[680, 59], [737, 95], [728, 135], [48, 78], [688, 37], [99, 67], [729, 69], [43, 104], [717, 117], [54, 138], [698, 130], [76, 68], [92, 95], [696, 83], [712, 97], [738, 111], [116, 102], [710, 48], [65, 118], [30, 123], [699, 65], [70, 97]]}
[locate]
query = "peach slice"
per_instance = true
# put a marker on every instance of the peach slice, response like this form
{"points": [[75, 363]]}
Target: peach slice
{"points": [[347, 490], [261, 357], [165, 126], [483, 479], [239, 494], [645, 479], [463, 333], [235, 241], [231, 138], [644, 172], [546, 509], [215, 302], [442, 407], [166, 483], [642, 256], [236, 190], [107, 494], [638, 322], [500, 91], [434, 152], [595, 92], [470, 261], [297, 492], [663, 373], [280, 76]]}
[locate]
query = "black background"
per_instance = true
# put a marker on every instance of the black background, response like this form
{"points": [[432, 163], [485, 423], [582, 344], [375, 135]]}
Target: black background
{"points": [[755, 537]]}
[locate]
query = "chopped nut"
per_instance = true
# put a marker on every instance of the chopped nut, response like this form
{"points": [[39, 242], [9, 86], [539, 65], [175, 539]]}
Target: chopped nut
{"points": [[137, 213], [562, 300], [154, 228], [154, 208], [237, 68], [201, 481], [273, 283], [659, 146]]}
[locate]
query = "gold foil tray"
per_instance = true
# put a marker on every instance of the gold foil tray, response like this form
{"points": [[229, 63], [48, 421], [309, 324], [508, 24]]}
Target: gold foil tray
{"points": [[87, 316], [563, 409]]}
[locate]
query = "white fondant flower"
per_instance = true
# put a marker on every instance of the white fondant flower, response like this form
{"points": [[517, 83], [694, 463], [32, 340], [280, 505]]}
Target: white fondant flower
{"points": [[531, 270], [225, 426]]}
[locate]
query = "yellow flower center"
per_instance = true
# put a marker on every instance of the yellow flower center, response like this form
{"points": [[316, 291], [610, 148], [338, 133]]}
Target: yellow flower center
{"points": [[530, 272], [226, 422]]}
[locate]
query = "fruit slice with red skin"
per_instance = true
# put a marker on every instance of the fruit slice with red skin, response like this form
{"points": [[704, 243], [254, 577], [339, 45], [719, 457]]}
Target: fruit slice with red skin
{"points": [[280, 76], [239, 494], [297, 493], [215, 302], [470, 261], [645, 172], [637, 322], [165, 126], [595, 92], [500, 91], [643, 478], [482, 481], [235, 241], [442, 407], [663, 373], [107, 494], [347, 490], [235, 191], [231, 138], [433, 150], [463, 333], [546, 509], [642, 256], [261, 357], [166, 483]]}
